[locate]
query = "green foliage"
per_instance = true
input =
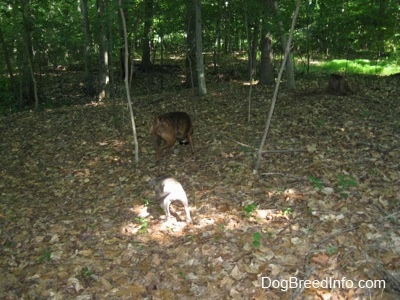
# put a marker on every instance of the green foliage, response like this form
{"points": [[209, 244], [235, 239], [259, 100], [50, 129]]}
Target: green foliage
{"points": [[365, 34], [256, 239], [317, 182], [140, 246], [365, 113], [350, 27], [144, 224], [331, 250], [146, 202], [287, 211], [310, 211], [395, 203], [320, 123], [344, 183], [44, 256], [246, 150], [182, 275], [86, 272], [92, 225], [248, 209], [357, 66]]}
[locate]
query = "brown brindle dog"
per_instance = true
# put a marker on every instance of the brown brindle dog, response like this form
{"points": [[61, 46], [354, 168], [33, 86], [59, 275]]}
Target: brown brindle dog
{"points": [[171, 127]]}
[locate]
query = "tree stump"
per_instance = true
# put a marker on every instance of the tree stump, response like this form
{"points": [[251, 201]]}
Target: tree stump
{"points": [[338, 85]]}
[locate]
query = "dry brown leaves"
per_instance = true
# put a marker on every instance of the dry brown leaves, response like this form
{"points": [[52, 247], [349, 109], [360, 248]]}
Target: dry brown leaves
{"points": [[78, 220]]}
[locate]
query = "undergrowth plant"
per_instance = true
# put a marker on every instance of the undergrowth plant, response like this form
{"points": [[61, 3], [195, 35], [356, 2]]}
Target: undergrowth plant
{"points": [[287, 211], [248, 209], [317, 182], [344, 183], [144, 224], [86, 272], [146, 202], [331, 250], [44, 256], [256, 239]]}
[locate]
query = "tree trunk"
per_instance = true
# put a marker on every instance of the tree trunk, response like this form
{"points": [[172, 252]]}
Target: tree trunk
{"points": [[276, 90], [110, 37], [228, 30], [289, 62], [254, 48], [9, 68], [104, 79], [252, 41], [217, 46], [201, 77], [32, 74], [29, 92], [267, 67], [191, 68], [89, 86], [381, 29], [162, 60], [148, 22]]}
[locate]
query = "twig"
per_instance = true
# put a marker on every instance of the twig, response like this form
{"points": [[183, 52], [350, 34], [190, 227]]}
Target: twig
{"points": [[276, 90], [283, 151], [83, 157], [309, 269], [282, 174], [300, 288], [268, 151], [329, 237]]}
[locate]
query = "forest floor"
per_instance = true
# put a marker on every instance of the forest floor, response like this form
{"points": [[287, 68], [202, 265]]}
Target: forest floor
{"points": [[78, 218]]}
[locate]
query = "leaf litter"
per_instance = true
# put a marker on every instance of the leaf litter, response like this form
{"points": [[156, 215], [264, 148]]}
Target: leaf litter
{"points": [[79, 221]]}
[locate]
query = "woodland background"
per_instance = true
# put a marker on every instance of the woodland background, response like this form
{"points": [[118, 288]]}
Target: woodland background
{"points": [[78, 219], [40, 39]]}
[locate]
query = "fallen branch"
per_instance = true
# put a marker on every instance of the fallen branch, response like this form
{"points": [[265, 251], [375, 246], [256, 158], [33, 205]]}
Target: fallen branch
{"points": [[301, 287], [283, 151], [283, 174], [329, 237], [268, 151]]}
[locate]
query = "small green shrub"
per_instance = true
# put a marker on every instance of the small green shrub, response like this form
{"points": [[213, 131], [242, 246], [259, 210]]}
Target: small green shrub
{"points": [[248, 209], [86, 272], [256, 239], [44, 256], [317, 182], [331, 250], [144, 224], [344, 183], [287, 211]]}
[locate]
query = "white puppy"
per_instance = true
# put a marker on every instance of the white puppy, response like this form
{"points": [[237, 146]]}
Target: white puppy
{"points": [[169, 189]]}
